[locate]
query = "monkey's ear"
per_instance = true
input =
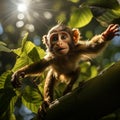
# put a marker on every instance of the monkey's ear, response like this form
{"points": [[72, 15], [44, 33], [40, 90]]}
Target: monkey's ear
{"points": [[76, 35], [45, 40]]}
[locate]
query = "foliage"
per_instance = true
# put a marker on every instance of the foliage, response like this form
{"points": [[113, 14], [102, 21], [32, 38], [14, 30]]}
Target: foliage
{"points": [[3, 47], [79, 15], [31, 92], [104, 12]]}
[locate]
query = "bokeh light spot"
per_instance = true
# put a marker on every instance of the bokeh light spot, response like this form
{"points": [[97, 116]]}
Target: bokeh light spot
{"points": [[37, 40], [20, 24], [20, 16], [30, 27], [47, 15], [1, 29]]}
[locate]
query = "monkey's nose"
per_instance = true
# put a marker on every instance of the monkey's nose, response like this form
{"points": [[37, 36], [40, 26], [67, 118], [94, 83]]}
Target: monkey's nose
{"points": [[59, 43]]}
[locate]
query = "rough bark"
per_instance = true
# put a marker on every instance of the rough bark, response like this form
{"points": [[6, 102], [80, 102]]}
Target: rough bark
{"points": [[99, 97]]}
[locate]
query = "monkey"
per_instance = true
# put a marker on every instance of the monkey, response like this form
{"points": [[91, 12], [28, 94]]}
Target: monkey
{"points": [[64, 51]]}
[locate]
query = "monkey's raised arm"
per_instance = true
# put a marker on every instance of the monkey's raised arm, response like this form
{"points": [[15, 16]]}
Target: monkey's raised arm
{"points": [[97, 43], [34, 68]]}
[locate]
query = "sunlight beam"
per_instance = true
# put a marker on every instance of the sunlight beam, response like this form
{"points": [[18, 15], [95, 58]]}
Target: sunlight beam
{"points": [[22, 7]]}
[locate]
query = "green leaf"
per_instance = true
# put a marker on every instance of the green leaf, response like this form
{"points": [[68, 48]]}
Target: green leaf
{"points": [[80, 17], [108, 17], [3, 47], [5, 80], [2, 43], [32, 106], [32, 49], [27, 54], [12, 103], [21, 62], [36, 54], [74, 1], [94, 72], [12, 117], [5, 97], [31, 94], [112, 4], [17, 51], [8, 113], [40, 51], [30, 53], [24, 41], [59, 89], [28, 46]]}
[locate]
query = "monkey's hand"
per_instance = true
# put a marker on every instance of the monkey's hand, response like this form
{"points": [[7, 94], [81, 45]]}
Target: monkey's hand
{"points": [[111, 32], [15, 78]]}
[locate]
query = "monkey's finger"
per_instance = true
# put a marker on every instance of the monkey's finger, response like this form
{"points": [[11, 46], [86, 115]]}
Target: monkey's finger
{"points": [[22, 74], [15, 82], [116, 30], [117, 34], [15, 85], [114, 27], [110, 26]]}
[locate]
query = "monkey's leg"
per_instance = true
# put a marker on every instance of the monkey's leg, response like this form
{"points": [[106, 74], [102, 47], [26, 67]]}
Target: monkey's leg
{"points": [[48, 94], [74, 75], [49, 86]]}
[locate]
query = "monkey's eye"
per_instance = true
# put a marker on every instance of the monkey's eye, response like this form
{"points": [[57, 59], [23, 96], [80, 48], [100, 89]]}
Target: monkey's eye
{"points": [[63, 36], [54, 38]]}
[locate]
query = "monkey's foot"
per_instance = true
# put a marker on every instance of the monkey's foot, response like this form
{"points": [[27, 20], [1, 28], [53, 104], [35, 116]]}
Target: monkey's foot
{"points": [[42, 111]]}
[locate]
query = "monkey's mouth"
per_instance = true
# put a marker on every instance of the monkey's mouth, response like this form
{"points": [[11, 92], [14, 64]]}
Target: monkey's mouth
{"points": [[62, 51]]}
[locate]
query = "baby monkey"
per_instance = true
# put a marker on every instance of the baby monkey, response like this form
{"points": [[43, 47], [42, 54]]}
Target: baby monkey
{"points": [[65, 50]]}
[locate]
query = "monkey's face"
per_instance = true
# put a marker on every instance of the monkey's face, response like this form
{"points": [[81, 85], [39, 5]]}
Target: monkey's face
{"points": [[60, 42]]}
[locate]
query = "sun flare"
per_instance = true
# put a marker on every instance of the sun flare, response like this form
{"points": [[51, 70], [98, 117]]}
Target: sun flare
{"points": [[22, 7]]}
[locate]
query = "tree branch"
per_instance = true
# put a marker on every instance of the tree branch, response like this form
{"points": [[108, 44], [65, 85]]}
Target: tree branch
{"points": [[99, 97]]}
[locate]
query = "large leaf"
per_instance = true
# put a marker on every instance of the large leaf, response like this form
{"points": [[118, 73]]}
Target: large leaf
{"points": [[21, 62], [29, 54], [80, 17], [36, 54], [28, 46], [36, 51], [31, 94], [32, 106]]}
